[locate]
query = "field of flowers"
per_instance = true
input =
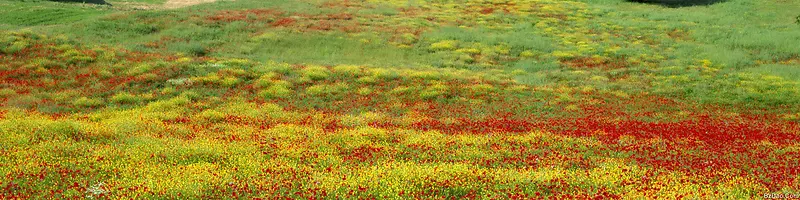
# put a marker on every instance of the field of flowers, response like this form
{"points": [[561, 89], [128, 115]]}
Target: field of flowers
{"points": [[399, 99]]}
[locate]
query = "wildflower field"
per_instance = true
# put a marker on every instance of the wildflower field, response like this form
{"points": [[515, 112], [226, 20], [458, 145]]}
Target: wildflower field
{"points": [[399, 99]]}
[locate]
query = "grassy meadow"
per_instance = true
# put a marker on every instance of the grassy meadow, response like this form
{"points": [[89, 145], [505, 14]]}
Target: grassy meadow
{"points": [[399, 99]]}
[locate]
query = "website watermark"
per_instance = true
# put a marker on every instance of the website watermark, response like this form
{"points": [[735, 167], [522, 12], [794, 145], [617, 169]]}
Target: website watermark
{"points": [[781, 196]]}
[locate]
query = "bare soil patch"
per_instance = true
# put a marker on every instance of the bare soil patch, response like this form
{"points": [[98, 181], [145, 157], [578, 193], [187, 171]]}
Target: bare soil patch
{"points": [[173, 4]]}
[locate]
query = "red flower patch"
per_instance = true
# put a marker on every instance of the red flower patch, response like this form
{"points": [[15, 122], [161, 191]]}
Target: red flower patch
{"points": [[362, 154], [252, 15], [602, 63]]}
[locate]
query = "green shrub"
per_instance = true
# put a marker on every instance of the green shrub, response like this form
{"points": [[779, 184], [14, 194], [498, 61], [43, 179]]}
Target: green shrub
{"points": [[434, 91], [316, 73], [191, 95], [212, 115], [193, 48], [197, 50], [797, 20], [125, 98], [264, 81], [482, 89], [63, 129], [272, 66], [384, 74], [169, 105], [139, 69], [445, 45], [348, 70], [366, 80], [364, 91], [326, 90], [362, 119], [400, 90], [276, 91], [23, 101], [87, 102], [7, 92], [229, 81]]}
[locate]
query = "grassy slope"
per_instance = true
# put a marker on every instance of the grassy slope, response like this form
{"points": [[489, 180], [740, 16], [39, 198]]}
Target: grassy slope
{"points": [[570, 99]]}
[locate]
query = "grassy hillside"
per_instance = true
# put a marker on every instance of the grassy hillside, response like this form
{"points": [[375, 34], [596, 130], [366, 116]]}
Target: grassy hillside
{"points": [[399, 99]]}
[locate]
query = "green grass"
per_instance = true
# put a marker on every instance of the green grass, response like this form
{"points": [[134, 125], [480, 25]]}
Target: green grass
{"points": [[758, 30], [752, 39], [521, 37], [27, 14], [325, 49], [788, 72], [136, 30]]}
